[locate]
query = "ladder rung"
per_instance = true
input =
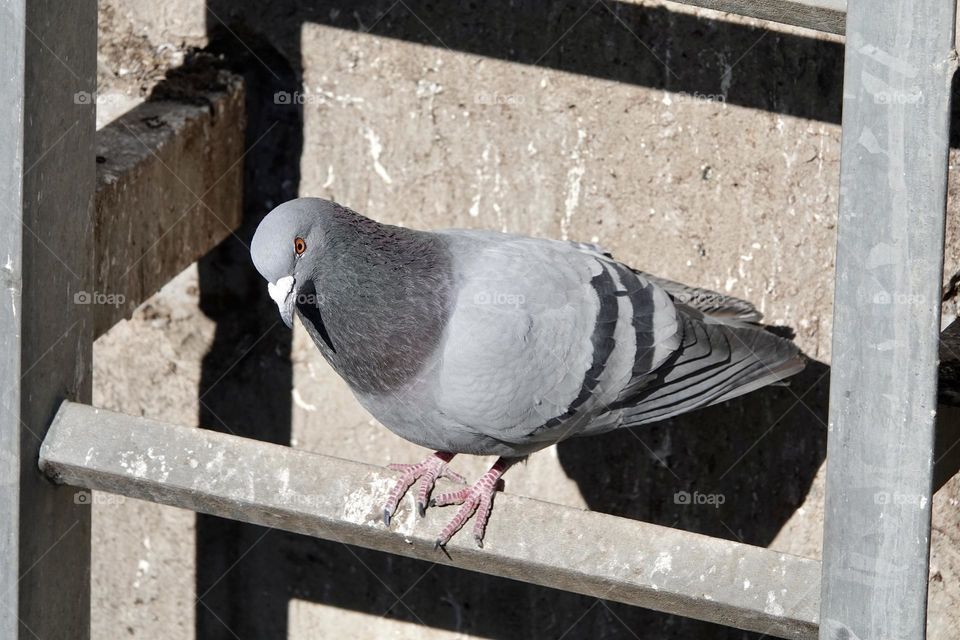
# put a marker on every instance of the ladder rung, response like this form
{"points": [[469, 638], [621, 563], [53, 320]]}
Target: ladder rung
{"points": [[590, 553]]}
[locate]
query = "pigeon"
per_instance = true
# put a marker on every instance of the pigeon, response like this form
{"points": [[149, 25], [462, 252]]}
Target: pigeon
{"points": [[477, 342]]}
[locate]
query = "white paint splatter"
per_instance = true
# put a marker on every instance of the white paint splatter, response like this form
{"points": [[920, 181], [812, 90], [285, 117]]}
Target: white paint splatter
{"points": [[773, 607], [428, 89], [474, 210], [283, 476], [330, 177], [574, 179], [137, 467], [143, 568], [663, 563], [375, 150], [485, 173], [364, 506], [215, 465], [746, 584], [300, 402], [164, 470], [727, 78]]}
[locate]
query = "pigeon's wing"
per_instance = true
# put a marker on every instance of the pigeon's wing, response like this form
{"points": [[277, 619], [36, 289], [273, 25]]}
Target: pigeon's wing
{"points": [[715, 306], [715, 362], [542, 332], [722, 354]]}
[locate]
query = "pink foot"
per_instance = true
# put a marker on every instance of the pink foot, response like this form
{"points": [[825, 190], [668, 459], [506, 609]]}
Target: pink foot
{"points": [[478, 498], [427, 471]]}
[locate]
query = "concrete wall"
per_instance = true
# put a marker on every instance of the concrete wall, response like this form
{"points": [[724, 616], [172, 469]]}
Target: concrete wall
{"points": [[696, 146]]}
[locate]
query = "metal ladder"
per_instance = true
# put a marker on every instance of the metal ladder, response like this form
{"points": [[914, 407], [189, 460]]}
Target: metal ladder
{"points": [[900, 62]]}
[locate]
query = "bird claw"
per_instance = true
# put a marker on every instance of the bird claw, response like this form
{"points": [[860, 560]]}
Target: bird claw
{"points": [[427, 473], [476, 499]]}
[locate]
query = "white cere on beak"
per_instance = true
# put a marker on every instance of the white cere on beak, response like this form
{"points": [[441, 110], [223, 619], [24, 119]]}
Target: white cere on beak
{"points": [[280, 289]]}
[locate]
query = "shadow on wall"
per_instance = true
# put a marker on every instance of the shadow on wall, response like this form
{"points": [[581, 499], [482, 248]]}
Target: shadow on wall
{"points": [[759, 452], [737, 470], [246, 375]]}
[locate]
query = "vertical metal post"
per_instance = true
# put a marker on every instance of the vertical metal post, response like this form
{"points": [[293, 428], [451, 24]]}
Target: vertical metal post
{"points": [[883, 391], [47, 174]]}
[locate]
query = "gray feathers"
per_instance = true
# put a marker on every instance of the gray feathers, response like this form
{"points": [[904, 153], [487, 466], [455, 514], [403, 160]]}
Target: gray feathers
{"points": [[374, 298], [488, 343], [715, 306], [714, 363]]}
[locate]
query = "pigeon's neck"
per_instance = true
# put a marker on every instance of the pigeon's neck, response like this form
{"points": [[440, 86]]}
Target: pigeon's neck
{"points": [[383, 297]]}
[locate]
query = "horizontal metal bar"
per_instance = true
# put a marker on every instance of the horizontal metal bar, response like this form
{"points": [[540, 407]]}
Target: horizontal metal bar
{"points": [[590, 553], [169, 189], [821, 15]]}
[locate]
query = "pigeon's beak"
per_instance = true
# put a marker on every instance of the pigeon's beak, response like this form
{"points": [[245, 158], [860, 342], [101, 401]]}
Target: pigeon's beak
{"points": [[282, 293]]}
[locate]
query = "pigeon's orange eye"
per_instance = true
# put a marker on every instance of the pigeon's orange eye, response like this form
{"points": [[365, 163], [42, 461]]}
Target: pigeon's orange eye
{"points": [[299, 246]]}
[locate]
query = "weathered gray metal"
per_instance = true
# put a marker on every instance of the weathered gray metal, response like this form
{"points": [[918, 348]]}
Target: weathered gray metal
{"points": [[48, 68], [822, 15], [590, 553], [883, 393], [169, 189]]}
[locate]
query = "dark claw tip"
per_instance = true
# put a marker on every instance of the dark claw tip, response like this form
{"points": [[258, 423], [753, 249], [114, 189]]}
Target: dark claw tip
{"points": [[386, 517], [479, 541], [437, 545], [433, 502], [421, 509]]}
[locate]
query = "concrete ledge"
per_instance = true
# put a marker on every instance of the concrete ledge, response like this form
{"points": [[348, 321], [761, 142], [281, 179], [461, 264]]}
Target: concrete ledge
{"points": [[590, 553], [821, 15], [169, 189]]}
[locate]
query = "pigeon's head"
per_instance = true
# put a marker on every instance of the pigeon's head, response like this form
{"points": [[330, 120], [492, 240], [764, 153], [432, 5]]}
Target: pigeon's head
{"points": [[285, 249]]}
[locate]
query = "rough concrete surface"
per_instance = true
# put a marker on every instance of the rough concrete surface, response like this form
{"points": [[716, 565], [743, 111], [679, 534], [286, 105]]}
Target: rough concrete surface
{"points": [[694, 145], [576, 550], [169, 180]]}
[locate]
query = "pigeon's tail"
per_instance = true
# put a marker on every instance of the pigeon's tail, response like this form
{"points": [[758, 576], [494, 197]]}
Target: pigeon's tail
{"points": [[715, 362]]}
